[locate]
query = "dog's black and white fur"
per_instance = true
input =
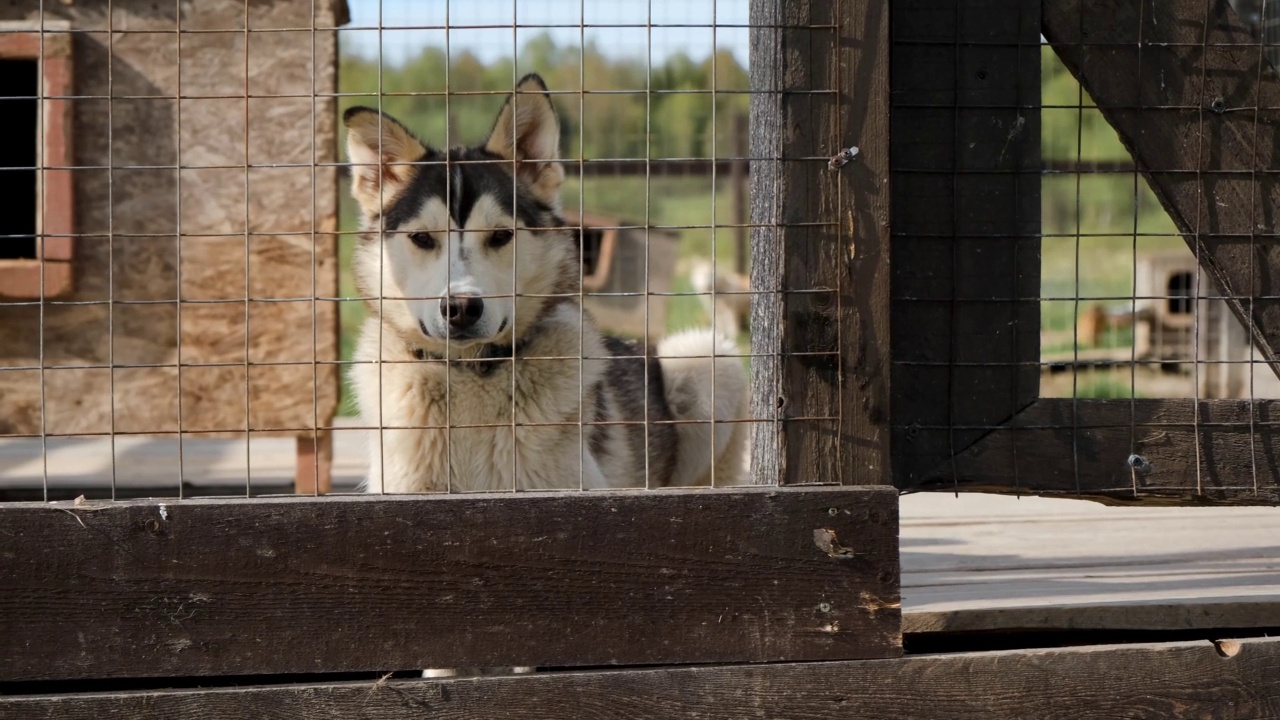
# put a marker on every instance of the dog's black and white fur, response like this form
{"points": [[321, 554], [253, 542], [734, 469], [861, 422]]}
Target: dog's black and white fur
{"points": [[468, 264]]}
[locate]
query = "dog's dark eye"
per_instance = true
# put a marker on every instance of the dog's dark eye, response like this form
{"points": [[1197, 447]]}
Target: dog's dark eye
{"points": [[423, 240], [498, 238]]}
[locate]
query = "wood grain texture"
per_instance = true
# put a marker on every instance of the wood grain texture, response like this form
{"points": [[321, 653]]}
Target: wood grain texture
{"points": [[1233, 679], [1181, 84], [22, 279], [1210, 451], [1141, 616], [381, 583], [821, 245], [187, 240], [966, 224], [313, 473]]}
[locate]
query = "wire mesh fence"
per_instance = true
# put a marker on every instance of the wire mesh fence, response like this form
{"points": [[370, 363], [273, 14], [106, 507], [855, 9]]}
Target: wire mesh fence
{"points": [[228, 279], [381, 249], [1082, 256]]}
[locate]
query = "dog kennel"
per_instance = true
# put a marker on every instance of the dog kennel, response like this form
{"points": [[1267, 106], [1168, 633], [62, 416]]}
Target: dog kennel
{"points": [[624, 284], [167, 178]]}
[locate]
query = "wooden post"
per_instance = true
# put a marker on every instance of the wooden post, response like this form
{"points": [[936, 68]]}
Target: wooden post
{"points": [[738, 179], [314, 472], [820, 248]]}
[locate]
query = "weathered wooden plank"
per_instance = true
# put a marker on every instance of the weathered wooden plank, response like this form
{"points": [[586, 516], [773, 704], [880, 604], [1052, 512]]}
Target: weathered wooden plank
{"points": [[313, 468], [1196, 103], [1137, 616], [966, 223], [1231, 678], [1188, 452], [206, 587], [21, 279], [822, 246], [984, 562]]}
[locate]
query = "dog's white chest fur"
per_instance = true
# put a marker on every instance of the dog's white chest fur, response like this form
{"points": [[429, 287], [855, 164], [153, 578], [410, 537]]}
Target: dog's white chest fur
{"points": [[456, 429]]}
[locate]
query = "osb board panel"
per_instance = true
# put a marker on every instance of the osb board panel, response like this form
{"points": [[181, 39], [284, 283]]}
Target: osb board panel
{"points": [[227, 587], [243, 232], [965, 154], [1200, 679], [1192, 453]]}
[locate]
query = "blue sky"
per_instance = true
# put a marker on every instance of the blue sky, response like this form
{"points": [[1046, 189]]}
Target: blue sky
{"points": [[485, 26]]}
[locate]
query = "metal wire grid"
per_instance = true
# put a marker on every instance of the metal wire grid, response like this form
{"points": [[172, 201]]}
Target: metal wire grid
{"points": [[583, 162], [114, 31], [1127, 362]]}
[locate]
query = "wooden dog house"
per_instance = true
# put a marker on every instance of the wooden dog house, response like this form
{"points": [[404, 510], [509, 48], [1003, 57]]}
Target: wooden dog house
{"points": [[621, 280], [1166, 286], [180, 246], [1181, 318]]}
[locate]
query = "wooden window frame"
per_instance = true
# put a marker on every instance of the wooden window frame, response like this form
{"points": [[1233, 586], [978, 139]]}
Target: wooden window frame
{"points": [[50, 273]]}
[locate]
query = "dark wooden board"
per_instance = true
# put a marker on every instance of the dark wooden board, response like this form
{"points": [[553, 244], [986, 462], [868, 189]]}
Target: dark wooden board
{"points": [[208, 587], [1136, 616], [966, 223], [1227, 679], [1224, 451], [821, 245], [1181, 83]]}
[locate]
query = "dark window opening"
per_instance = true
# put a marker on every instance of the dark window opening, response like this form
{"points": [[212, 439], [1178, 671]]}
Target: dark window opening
{"points": [[1180, 293], [19, 86], [592, 241]]}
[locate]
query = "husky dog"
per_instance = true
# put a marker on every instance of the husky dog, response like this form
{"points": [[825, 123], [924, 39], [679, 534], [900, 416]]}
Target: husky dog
{"points": [[477, 362]]}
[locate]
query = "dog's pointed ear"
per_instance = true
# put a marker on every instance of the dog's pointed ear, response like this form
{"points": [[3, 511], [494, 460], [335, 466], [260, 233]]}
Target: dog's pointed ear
{"points": [[528, 132], [375, 143]]}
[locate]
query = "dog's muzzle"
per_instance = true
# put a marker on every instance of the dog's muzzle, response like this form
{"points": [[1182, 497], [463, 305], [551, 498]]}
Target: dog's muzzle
{"points": [[461, 311]]}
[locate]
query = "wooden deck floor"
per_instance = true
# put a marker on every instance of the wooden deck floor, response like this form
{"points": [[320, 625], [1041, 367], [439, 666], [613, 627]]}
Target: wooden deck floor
{"points": [[984, 562], [973, 562]]}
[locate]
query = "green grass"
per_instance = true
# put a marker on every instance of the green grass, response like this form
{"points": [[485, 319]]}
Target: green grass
{"points": [[1094, 225], [350, 312], [685, 311], [1105, 389], [1112, 339], [680, 202]]}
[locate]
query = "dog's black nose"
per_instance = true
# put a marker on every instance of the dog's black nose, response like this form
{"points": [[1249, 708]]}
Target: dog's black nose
{"points": [[462, 311]]}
